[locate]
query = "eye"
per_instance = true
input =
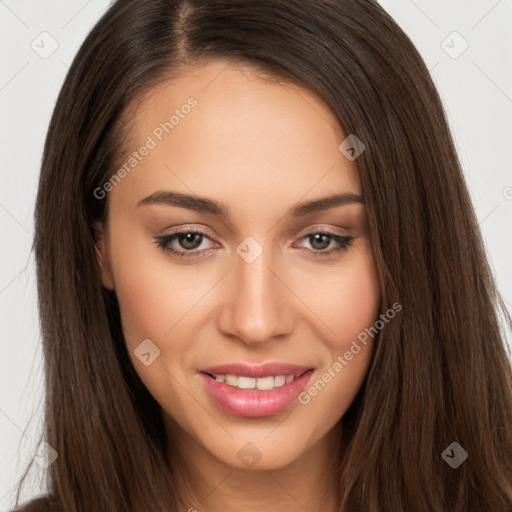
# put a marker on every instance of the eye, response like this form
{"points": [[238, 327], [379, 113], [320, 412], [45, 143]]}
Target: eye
{"points": [[321, 240], [187, 244]]}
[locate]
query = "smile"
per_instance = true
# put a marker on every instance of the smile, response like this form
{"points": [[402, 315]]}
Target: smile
{"points": [[263, 383], [255, 391]]}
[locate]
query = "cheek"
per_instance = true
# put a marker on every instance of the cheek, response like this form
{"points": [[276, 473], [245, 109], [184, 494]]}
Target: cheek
{"points": [[348, 309], [153, 292], [154, 297], [143, 297], [344, 299], [356, 305]]}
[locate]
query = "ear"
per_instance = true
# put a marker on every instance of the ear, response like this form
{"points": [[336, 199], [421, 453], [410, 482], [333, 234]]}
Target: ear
{"points": [[102, 255]]}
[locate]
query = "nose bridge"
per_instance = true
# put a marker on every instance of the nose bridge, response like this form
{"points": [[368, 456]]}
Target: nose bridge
{"points": [[257, 308]]}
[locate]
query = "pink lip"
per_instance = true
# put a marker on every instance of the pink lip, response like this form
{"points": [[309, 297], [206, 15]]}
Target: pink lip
{"points": [[255, 403]]}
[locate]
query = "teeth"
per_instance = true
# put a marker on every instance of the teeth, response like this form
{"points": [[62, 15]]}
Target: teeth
{"points": [[279, 380], [246, 383], [263, 383], [232, 380]]}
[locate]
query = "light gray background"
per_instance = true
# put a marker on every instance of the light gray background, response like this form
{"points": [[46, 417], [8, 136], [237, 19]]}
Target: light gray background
{"points": [[476, 88]]}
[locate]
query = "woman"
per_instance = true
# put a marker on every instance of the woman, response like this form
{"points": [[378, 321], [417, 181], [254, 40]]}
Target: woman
{"points": [[261, 280]]}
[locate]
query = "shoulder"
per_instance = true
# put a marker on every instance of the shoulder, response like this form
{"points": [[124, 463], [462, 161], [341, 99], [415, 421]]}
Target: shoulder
{"points": [[42, 504]]}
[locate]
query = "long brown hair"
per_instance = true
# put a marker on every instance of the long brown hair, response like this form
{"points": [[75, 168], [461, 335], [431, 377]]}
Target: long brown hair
{"points": [[439, 372]]}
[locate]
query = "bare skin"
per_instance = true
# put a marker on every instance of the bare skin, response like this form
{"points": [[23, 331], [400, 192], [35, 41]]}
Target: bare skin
{"points": [[260, 148]]}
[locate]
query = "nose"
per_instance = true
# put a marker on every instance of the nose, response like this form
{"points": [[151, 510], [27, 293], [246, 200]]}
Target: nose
{"points": [[258, 305]]}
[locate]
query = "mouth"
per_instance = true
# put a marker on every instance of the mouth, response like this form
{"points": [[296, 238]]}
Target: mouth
{"points": [[255, 391], [261, 383]]}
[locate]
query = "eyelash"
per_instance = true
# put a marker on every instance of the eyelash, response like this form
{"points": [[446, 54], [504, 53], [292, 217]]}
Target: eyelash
{"points": [[163, 242]]}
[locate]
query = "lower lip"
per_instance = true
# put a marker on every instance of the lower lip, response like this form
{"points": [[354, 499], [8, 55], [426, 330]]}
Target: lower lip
{"points": [[254, 403]]}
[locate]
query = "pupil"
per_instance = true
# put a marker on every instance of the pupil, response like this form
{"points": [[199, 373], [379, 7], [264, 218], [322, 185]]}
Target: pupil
{"points": [[317, 238], [189, 240]]}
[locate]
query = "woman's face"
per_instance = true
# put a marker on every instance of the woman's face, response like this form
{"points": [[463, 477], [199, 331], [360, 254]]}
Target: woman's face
{"points": [[236, 165]]}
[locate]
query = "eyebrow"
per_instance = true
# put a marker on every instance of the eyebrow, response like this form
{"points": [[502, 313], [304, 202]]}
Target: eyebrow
{"points": [[206, 205]]}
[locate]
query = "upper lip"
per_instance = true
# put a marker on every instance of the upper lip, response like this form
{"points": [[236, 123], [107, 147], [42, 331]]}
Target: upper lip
{"points": [[257, 371]]}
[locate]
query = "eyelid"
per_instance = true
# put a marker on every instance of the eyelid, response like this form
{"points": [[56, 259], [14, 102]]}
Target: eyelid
{"points": [[343, 241], [187, 228], [198, 254], [163, 242], [320, 228]]}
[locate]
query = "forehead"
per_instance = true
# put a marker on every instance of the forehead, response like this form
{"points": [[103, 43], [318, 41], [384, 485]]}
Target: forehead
{"points": [[224, 130]]}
